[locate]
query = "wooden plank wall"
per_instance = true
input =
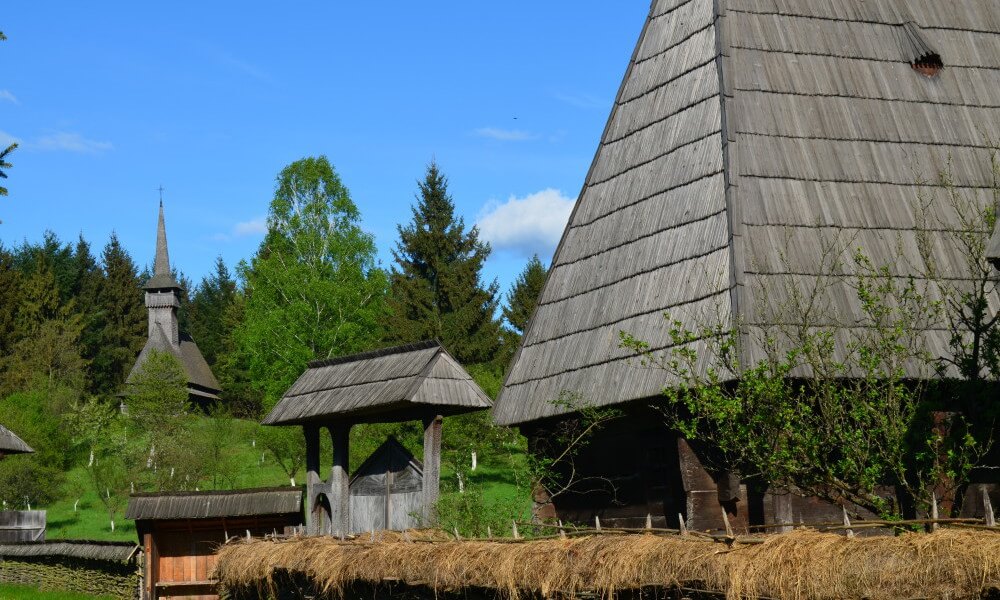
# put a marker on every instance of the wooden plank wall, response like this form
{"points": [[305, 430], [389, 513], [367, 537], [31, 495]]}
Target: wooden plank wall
{"points": [[22, 526]]}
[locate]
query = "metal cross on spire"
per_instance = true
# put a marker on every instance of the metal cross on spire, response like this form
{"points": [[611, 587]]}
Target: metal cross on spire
{"points": [[161, 194]]}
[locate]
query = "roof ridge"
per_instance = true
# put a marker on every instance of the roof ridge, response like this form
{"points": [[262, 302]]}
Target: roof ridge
{"points": [[423, 345], [183, 494]]}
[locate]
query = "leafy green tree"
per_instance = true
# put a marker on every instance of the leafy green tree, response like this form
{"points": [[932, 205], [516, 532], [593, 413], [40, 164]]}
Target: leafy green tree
{"points": [[436, 289], [313, 289], [523, 295], [123, 320], [85, 290], [856, 423], [239, 392], [207, 311], [56, 256]]}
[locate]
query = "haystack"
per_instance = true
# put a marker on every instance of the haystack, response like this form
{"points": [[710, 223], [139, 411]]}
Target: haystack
{"points": [[804, 565]]}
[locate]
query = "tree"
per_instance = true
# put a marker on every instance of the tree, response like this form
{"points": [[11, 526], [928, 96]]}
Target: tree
{"points": [[833, 410], [436, 288], [11, 292], [313, 289], [207, 311], [123, 319], [523, 295]]}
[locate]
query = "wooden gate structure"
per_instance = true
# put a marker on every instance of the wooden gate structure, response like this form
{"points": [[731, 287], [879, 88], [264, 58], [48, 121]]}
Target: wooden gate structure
{"points": [[180, 532], [387, 490], [407, 383]]}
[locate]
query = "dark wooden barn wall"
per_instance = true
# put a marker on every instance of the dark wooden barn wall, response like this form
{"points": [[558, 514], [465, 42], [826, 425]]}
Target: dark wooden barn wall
{"points": [[637, 467]]}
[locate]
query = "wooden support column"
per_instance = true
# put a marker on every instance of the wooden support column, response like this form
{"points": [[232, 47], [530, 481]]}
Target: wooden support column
{"points": [[340, 498], [432, 468], [312, 477]]}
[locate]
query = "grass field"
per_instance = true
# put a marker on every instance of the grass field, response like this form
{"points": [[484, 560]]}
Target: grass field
{"points": [[23, 592], [252, 468]]}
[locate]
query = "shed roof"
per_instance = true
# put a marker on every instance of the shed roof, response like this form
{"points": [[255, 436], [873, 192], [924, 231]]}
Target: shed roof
{"points": [[747, 134], [87, 549], [11, 444], [214, 504], [390, 384]]}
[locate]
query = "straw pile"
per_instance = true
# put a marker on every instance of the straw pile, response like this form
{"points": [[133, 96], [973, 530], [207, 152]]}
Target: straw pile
{"points": [[804, 565]]}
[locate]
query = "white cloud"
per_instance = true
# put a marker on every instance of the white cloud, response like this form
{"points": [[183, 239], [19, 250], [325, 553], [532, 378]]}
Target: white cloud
{"points": [[529, 225], [252, 227], [8, 96], [505, 135], [582, 100], [70, 142]]}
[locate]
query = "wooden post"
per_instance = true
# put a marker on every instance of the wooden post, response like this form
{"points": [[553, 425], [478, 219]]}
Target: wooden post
{"points": [[988, 509], [340, 497], [432, 468], [847, 522], [934, 511], [312, 476]]}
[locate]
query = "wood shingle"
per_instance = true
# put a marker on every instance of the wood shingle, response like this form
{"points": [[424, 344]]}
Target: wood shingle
{"points": [[746, 134]]}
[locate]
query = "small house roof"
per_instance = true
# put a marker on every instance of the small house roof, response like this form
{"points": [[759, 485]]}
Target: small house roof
{"points": [[11, 444], [214, 504], [86, 549], [393, 384]]}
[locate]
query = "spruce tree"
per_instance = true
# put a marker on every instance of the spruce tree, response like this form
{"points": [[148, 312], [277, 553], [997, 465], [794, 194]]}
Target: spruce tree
{"points": [[436, 287], [123, 318], [207, 311], [11, 292], [523, 295], [85, 289]]}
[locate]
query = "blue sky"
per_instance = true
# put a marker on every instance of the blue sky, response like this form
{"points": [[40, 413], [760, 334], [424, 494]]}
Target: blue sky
{"points": [[110, 100]]}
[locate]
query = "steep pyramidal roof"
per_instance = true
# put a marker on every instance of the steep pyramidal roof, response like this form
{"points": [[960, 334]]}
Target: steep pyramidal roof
{"points": [[746, 136], [162, 277]]}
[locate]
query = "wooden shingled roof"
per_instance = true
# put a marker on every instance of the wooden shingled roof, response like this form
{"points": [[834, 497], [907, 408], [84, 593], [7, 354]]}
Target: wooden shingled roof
{"points": [[384, 385], [214, 504], [85, 549], [745, 135], [11, 444]]}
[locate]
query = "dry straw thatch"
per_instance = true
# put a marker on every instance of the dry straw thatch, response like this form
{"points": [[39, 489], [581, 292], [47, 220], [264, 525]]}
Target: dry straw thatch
{"points": [[804, 564]]}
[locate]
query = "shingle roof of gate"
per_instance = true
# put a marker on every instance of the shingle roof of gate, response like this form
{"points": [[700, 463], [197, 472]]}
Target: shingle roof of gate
{"points": [[745, 135], [383, 382]]}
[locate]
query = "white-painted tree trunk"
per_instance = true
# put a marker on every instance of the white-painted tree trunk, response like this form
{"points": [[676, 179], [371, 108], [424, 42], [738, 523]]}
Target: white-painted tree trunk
{"points": [[292, 479], [474, 461]]}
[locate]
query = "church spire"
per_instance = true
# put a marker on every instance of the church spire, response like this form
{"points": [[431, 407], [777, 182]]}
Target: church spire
{"points": [[162, 277]]}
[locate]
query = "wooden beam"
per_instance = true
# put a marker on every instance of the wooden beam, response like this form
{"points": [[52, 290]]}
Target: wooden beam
{"points": [[340, 478], [432, 468]]}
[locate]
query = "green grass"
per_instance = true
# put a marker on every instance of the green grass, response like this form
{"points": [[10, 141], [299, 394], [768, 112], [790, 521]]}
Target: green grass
{"points": [[494, 477], [25, 592]]}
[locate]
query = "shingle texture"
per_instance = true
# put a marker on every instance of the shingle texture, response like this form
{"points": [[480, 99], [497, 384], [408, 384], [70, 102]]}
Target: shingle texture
{"points": [[11, 444], [201, 380], [90, 550], [395, 380], [214, 504], [744, 135]]}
